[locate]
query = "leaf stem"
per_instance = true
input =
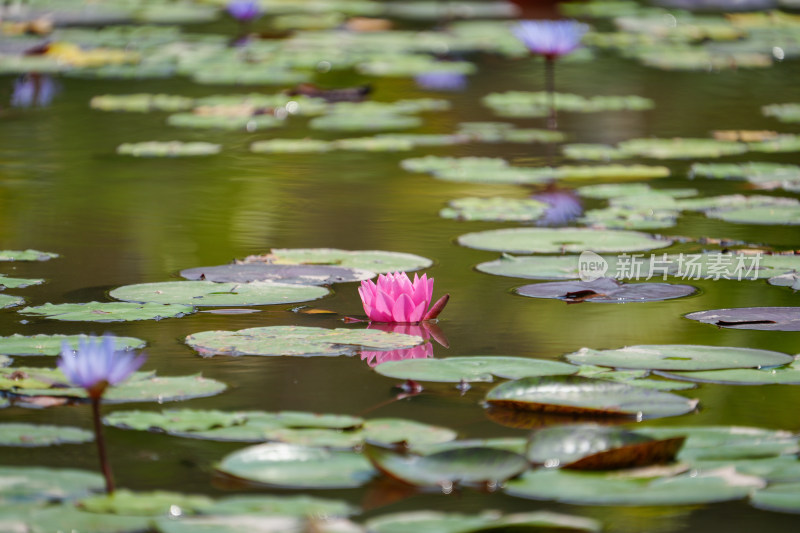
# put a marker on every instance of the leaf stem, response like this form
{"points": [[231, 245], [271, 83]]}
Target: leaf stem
{"points": [[105, 466]]}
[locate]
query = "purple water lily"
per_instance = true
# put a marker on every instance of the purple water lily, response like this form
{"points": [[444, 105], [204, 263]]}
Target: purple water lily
{"points": [[243, 10], [442, 80], [33, 90], [550, 38]]}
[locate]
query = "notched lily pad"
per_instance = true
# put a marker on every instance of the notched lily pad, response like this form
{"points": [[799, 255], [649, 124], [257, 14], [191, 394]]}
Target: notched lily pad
{"points": [[294, 274], [296, 340], [17, 283], [378, 261], [6, 301], [21, 434], [766, 318], [560, 240], [108, 311], [51, 344], [605, 290], [208, 293]]}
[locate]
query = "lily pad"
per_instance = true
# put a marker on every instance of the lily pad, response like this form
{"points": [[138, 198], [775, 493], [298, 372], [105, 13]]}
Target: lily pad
{"points": [[156, 503], [364, 122], [208, 293], [536, 104], [174, 420], [434, 164], [586, 396], [468, 466], [20, 434], [615, 217], [54, 518], [784, 112], [784, 375], [248, 123], [495, 208], [560, 240], [300, 506], [108, 311], [439, 522], [593, 152], [296, 340], [708, 443], [612, 489], [6, 301], [377, 261], [472, 368], [30, 484], [605, 290], [771, 215], [679, 357], [781, 497], [374, 144], [395, 430], [763, 175], [613, 190], [51, 344], [297, 467], [779, 469], [168, 149], [18, 283], [293, 274], [766, 318], [299, 146], [681, 148], [26, 255], [791, 280], [141, 102], [323, 438]]}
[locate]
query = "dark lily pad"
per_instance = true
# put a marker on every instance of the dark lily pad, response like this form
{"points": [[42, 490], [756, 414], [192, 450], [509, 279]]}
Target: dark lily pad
{"points": [[679, 357], [296, 340], [20, 434], [605, 290], [51, 344], [766, 318], [297, 467], [157, 503], [168, 149], [782, 497], [18, 283], [294, 274], [560, 240], [204, 293], [6, 300], [378, 261], [458, 466], [30, 484], [108, 311], [472, 368], [25, 255], [784, 375], [708, 443], [586, 396], [613, 489]]}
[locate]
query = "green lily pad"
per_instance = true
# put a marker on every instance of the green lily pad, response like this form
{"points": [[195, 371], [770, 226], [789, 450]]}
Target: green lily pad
{"points": [[495, 208], [681, 148], [297, 340], [300, 146], [141, 103], [593, 152], [457, 466], [611, 489], [586, 396], [766, 318], [168, 149], [20, 434], [439, 522], [54, 518], [537, 267], [425, 139], [764, 175], [679, 357], [771, 215], [472, 368], [780, 469], [784, 375], [784, 112], [615, 217], [300, 506], [248, 123], [637, 378], [605, 290], [735, 202], [255, 524], [6, 301], [536, 104], [108, 311], [782, 497], [208, 293], [51, 344], [324, 438], [791, 280], [31, 484], [364, 122], [512, 444], [298, 467], [240, 73], [26, 255], [18, 283], [174, 420], [374, 144], [560, 240], [156, 503], [293, 274], [613, 190], [393, 430], [377, 261], [708, 443], [433, 164]]}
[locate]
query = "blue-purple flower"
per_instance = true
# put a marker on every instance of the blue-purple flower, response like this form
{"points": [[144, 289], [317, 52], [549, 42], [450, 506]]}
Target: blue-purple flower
{"points": [[97, 364], [32, 90], [441, 80], [564, 204], [550, 38], [243, 10]]}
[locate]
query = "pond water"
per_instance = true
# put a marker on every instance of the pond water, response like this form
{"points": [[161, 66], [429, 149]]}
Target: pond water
{"points": [[117, 220]]}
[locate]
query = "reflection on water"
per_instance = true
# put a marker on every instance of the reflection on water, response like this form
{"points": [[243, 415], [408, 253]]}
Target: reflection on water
{"points": [[34, 90]]}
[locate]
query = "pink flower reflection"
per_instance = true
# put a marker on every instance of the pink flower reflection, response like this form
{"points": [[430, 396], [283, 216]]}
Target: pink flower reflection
{"points": [[422, 351]]}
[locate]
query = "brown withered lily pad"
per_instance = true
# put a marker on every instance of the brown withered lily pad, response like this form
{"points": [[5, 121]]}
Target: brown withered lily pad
{"points": [[605, 290], [300, 274], [766, 318]]}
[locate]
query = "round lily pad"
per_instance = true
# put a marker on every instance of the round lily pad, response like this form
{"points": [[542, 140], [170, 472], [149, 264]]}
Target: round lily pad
{"points": [[294, 274], [168, 149], [778, 469], [772, 215], [204, 293], [174, 420], [374, 144], [613, 190], [472, 368], [783, 375], [612, 489], [296, 340], [534, 267], [156, 503], [20, 434], [781, 497], [248, 123], [28, 484], [496, 208], [51, 344], [108, 311], [681, 148], [364, 122], [679, 357], [605, 290], [560, 240], [592, 152], [458, 466], [141, 103], [644, 218], [395, 430], [324, 438], [297, 467], [6, 300], [378, 261], [586, 396], [708, 443], [290, 146], [25, 255], [18, 283], [766, 318], [53, 518], [301, 506]]}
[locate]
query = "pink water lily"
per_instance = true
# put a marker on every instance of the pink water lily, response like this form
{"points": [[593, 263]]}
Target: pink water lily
{"points": [[395, 298]]}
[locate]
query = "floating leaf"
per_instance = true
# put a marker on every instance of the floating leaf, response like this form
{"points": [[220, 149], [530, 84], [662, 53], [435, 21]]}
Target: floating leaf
{"points": [[766, 318], [472, 368], [779, 469], [374, 144], [18, 283], [108, 311], [52, 344], [458, 466], [763, 175], [29, 484], [324, 438], [791, 280], [526, 104], [439, 522], [6, 300], [789, 112], [512, 444], [298, 467], [394, 430], [300, 506], [593, 152], [605, 290], [168, 149], [364, 122], [560, 240], [248, 123], [299, 146], [704, 443], [254, 524], [378, 261], [681, 148], [772, 215], [586, 396], [20, 434], [784, 375], [496, 208], [54, 518], [204, 293], [629, 218], [25, 255], [141, 103], [613, 190], [782, 497], [156, 503], [679, 357], [174, 420], [294, 274]]}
